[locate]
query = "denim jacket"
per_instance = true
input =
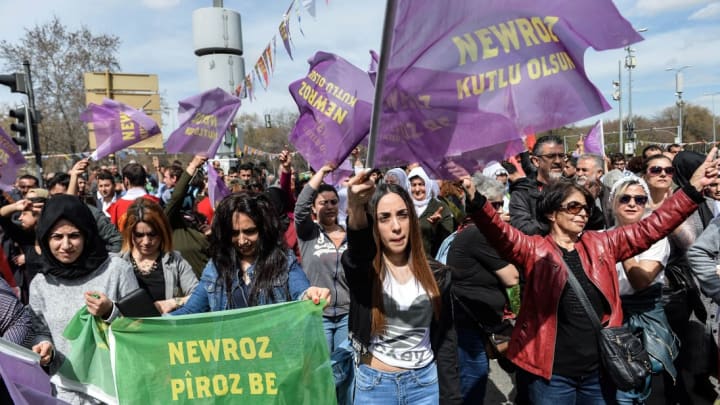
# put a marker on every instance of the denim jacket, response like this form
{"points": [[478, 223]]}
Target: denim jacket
{"points": [[210, 295]]}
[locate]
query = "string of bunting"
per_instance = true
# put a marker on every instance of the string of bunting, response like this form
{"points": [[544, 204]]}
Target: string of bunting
{"points": [[264, 67]]}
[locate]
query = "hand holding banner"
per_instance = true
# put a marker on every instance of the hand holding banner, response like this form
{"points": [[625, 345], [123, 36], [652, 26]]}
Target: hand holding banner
{"points": [[204, 118], [117, 126]]}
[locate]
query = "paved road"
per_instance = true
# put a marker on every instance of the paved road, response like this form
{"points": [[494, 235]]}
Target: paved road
{"points": [[501, 389]]}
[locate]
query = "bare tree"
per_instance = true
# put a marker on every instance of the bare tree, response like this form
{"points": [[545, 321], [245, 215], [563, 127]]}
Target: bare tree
{"points": [[58, 58]]}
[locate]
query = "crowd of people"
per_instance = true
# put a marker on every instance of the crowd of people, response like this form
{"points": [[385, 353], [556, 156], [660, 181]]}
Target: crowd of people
{"points": [[419, 277]]}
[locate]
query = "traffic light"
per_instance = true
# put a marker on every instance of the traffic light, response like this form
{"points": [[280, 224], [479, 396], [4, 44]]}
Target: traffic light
{"points": [[15, 81], [23, 128]]}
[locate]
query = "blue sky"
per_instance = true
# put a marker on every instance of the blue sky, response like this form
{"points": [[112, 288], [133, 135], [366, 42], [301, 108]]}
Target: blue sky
{"points": [[156, 38]]}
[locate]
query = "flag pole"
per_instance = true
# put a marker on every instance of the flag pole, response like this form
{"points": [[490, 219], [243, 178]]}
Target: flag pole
{"points": [[388, 24]]}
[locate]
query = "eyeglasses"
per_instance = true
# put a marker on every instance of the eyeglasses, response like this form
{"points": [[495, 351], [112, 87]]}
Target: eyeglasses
{"points": [[574, 208], [639, 199], [496, 204], [334, 201], [656, 170], [140, 235], [554, 156]]}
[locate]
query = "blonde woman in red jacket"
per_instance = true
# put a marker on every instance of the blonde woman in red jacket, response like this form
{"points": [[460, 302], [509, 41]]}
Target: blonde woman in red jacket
{"points": [[553, 343]]}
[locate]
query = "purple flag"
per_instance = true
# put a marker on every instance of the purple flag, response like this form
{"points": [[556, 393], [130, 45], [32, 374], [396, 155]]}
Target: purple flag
{"points": [[335, 102], [374, 62], [25, 380], [465, 82], [217, 190], [117, 126], [11, 159], [203, 118], [594, 141]]}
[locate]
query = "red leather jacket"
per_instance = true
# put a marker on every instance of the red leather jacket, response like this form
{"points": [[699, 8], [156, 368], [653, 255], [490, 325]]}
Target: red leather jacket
{"points": [[532, 346]]}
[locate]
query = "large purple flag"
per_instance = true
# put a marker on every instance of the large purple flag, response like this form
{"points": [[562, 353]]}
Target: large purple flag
{"points": [[335, 103], [11, 159], [594, 141], [117, 126], [203, 118], [465, 80], [217, 190]]}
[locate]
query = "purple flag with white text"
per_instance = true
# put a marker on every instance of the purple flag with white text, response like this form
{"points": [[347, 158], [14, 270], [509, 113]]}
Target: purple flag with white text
{"points": [[594, 141], [217, 190], [466, 80], [117, 126], [335, 104], [203, 118], [11, 159]]}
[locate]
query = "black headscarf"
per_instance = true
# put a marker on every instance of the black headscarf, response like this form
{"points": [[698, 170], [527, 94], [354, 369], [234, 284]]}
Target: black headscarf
{"points": [[685, 164], [73, 210]]}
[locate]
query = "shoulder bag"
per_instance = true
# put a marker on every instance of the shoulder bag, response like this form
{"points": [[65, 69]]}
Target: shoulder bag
{"points": [[622, 353]]}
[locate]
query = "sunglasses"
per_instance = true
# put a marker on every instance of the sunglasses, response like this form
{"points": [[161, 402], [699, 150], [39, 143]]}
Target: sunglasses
{"points": [[496, 204], [639, 199], [334, 201], [554, 156], [140, 235], [574, 208], [656, 170]]}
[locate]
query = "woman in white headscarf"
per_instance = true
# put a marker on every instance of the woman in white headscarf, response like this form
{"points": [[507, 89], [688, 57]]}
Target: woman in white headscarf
{"points": [[436, 219], [396, 176]]}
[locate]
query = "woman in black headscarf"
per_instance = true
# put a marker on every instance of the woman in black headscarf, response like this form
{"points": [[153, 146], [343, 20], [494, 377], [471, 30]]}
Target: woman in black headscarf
{"points": [[76, 270]]}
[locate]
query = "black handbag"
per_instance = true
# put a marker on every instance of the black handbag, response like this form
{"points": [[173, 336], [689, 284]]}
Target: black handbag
{"points": [[623, 355]]}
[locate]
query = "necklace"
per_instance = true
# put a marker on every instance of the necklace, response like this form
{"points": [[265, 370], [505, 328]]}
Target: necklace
{"points": [[144, 270]]}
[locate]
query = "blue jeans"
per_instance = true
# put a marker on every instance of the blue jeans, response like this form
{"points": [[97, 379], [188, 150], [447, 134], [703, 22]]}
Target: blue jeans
{"points": [[341, 357], [589, 390], [412, 387], [473, 365]]}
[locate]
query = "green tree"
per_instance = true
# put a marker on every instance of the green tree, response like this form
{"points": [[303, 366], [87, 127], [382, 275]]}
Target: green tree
{"points": [[58, 57]]}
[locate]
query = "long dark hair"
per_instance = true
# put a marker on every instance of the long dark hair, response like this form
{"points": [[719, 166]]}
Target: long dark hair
{"points": [[271, 256], [417, 260]]}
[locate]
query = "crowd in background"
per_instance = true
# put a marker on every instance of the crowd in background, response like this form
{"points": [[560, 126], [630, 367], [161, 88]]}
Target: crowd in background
{"points": [[418, 275]]}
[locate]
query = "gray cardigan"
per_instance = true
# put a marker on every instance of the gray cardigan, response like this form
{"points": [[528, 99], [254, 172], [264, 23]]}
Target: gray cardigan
{"points": [[180, 280], [703, 257]]}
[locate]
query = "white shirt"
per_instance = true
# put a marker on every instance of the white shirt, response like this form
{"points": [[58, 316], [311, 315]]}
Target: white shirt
{"points": [[408, 313], [659, 252]]}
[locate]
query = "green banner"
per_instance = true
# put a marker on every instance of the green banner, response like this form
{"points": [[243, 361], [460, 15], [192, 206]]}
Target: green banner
{"points": [[273, 354]]}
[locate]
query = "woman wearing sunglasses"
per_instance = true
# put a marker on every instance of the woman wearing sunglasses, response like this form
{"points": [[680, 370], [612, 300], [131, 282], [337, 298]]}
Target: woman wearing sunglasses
{"points": [[148, 247], [322, 242], [658, 172], [641, 280], [553, 344]]}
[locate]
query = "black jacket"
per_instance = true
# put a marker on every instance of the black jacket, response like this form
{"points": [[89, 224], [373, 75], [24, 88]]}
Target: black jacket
{"points": [[523, 208], [357, 263]]}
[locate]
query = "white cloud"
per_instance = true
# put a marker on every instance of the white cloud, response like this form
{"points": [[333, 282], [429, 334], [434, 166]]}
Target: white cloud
{"points": [[652, 7], [708, 12], [160, 4]]}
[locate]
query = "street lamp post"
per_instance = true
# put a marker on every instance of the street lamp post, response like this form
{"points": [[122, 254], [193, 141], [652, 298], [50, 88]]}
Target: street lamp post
{"points": [[712, 97], [630, 63], [680, 102], [617, 96]]}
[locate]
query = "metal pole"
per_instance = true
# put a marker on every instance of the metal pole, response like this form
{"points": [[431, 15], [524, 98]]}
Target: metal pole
{"points": [[620, 119], [390, 9], [680, 119], [713, 118]]}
